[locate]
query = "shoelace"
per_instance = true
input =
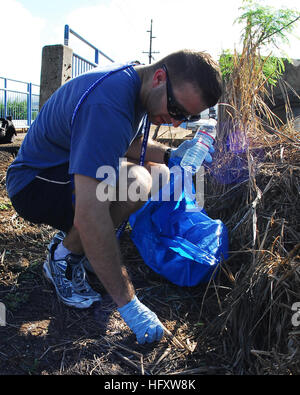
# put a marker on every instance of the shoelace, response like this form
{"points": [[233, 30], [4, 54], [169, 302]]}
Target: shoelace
{"points": [[78, 278]]}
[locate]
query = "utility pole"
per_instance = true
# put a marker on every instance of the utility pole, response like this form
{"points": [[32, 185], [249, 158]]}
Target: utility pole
{"points": [[150, 49]]}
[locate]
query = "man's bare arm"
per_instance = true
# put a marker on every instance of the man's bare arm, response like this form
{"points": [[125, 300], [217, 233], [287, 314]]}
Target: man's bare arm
{"points": [[97, 233], [155, 151]]}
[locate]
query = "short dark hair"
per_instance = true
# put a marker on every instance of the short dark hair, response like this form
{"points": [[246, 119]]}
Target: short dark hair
{"points": [[197, 68]]}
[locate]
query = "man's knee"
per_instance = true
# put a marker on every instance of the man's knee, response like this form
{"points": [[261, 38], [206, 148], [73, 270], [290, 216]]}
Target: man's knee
{"points": [[148, 180], [135, 184], [138, 183], [160, 176]]}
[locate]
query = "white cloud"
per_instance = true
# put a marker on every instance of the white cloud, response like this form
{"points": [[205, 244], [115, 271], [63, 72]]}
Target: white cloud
{"points": [[119, 28], [20, 43], [109, 29]]}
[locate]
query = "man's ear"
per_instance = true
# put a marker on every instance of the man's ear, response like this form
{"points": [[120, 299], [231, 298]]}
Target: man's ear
{"points": [[159, 77]]}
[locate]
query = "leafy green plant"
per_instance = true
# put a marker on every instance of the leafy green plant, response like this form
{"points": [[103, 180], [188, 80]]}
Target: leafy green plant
{"points": [[272, 67], [264, 28], [266, 25], [226, 63]]}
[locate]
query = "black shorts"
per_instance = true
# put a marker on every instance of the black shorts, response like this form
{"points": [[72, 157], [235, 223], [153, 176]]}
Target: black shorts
{"points": [[48, 199]]}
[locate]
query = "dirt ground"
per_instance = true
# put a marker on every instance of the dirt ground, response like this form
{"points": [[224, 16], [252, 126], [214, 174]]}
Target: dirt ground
{"points": [[44, 337]]}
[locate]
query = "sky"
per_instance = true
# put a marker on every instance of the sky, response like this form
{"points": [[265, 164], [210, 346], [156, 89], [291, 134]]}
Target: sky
{"points": [[119, 28]]}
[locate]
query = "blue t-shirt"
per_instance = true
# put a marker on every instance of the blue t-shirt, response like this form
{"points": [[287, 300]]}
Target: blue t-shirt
{"points": [[105, 124]]}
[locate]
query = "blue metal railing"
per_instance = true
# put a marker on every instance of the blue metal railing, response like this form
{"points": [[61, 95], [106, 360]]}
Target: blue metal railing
{"points": [[20, 100], [79, 64]]}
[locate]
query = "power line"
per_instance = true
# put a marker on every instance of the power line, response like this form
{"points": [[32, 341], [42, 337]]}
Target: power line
{"points": [[150, 52]]}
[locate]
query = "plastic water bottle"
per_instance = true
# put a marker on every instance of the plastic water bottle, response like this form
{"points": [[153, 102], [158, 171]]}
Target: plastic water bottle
{"points": [[193, 158]]}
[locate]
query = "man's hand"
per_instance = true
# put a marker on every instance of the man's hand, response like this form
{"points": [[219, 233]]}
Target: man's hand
{"points": [[142, 321], [186, 145]]}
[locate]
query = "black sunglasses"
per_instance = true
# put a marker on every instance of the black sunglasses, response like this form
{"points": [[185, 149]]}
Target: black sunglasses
{"points": [[174, 109]]}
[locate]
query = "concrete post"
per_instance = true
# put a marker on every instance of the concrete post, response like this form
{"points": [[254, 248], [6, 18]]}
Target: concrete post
{"points": [[56, 69]]}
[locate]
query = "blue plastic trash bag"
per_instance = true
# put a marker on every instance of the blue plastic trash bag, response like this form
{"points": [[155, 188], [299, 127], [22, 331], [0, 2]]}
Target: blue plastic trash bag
{"points": [[185, 246]]}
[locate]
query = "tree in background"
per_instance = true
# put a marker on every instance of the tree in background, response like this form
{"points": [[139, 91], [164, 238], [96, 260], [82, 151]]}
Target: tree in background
{"points": [[248, 76]]}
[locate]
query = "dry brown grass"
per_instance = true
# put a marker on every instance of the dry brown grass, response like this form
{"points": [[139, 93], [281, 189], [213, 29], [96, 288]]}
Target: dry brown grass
{"points": [[254, 187], [263, 271]]}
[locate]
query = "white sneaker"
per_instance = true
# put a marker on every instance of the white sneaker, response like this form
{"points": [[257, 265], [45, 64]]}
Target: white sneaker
{"points": [[69, 279]]}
